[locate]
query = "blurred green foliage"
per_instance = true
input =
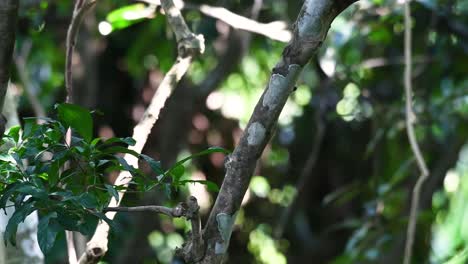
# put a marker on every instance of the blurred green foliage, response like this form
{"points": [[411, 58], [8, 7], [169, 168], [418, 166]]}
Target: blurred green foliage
{"points": [[357, 194]]}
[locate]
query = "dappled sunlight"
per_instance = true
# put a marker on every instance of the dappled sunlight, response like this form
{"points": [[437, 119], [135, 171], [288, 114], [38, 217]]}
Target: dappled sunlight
{"points": [[264, 247], [215, 100], [200, 191], [164, 245], [105, 28], [350, 107]]}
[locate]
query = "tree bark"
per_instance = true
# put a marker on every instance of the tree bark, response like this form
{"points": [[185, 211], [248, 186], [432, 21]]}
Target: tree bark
{"points": [[8, 17], [310, 31]]}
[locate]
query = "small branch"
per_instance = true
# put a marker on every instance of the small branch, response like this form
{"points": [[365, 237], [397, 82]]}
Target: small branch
{"points": [[187, 42], [81, 6], [276, 30], [410, 120], [189, 46], [79, 10], [193, 250], [174, 212]]}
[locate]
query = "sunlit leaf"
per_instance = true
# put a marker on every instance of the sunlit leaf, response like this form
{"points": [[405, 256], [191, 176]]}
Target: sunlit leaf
{"points": [[77, 118]]}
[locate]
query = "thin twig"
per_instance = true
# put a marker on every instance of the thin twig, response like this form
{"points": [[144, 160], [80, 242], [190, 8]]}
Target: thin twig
{"points": [[410, 120], [81, 6], [146, 208]]}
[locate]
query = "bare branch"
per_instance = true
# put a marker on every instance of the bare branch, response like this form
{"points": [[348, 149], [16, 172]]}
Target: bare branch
{"points": [[188, 43], [192, 250], [189, 46], [276, 30], [79, 10], [312, 26], [81, 6], [179, 211], [410, 120]]}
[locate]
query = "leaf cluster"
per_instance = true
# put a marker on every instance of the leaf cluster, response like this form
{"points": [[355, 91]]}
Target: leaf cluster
{"points": [[67, 183]]}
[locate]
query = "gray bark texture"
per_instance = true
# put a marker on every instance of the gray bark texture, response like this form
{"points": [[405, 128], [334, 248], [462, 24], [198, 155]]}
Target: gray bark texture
{"points": [[310, 30]]}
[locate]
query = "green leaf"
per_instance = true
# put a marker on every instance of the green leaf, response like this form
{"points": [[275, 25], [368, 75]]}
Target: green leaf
{"points": [[32, 190], [18, 216], [95, 141], [112, 191], [155, 165], [87, 224], [125, 164], [53, 173], [128, 140], [119, 149], [211, 186], [202, 153], [127, 16], [29, 126], [177, 172], [7, 192], [105, 218], [77, 118], [87, 200], [14, 132], [47, 231]]}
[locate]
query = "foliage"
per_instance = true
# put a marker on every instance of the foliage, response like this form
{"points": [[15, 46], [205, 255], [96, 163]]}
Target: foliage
{"points": [[353, 206], [67, 183]]}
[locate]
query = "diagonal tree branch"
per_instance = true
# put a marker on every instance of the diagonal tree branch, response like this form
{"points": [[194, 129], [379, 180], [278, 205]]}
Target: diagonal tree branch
{"points": [[276, 30], [189, 45], [310, 31]]}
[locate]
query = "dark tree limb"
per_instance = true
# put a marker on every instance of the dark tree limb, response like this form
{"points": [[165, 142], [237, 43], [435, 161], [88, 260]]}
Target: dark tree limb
{"points": [[310, 31], [8, 19]]}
